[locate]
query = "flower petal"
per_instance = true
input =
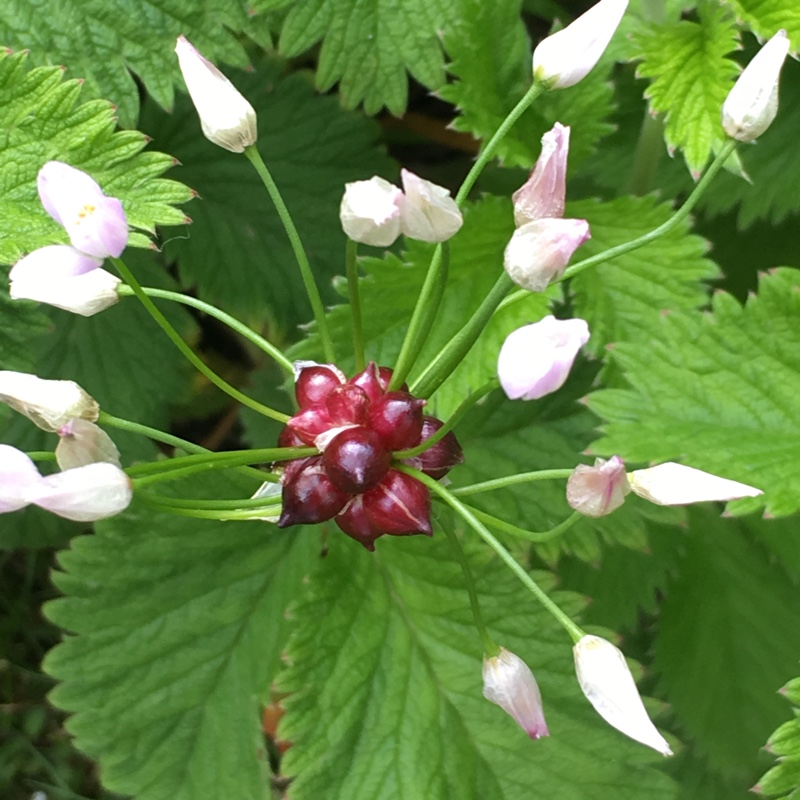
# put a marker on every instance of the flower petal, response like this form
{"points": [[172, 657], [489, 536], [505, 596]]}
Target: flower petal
{"points": [[428, 213], [19, 478], [674, 484]]}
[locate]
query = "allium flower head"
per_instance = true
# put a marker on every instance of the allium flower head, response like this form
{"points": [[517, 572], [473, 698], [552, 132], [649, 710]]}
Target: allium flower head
{"points": [[544, 193], [370, 211]]}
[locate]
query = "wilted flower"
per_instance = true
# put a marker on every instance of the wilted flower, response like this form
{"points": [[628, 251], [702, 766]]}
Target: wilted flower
{"points": [[370, 211], [81, 443], [566, 57], [539, 251], [428, 213], [544, 193], [227, 119], [607, 682], [536, 359], [672, 484], [598, 490], [752, 104], [509, 683]]}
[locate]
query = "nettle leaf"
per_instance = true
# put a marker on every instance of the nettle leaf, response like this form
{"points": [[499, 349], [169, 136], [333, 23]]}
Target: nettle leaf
{"points": [[691, 77], [784, 777], [627, 294], [237, 253], [716, 391], [177, 626], [765, 18], [19, 324], [107, 43], [491, 57], [727, 638], [368, 47], [41, 119], [384, 688]]}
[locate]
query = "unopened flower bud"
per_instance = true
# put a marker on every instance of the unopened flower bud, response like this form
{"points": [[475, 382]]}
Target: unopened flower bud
{"points": [[18, 478], [535, 360], [227, 119], [752, 104], [428, 213], [544, 193], [598, 490], [607, 682], [539, 251], [81, 443], [569, 55], [509, 683], [370, 211], [674, 484]]}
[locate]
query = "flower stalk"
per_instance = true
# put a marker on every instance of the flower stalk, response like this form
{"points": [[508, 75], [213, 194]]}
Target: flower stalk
{"points": [[351, 264]]}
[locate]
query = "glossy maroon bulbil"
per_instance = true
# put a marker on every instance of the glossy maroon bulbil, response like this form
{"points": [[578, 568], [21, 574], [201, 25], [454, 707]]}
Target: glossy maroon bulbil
{"points": [[357, 424]]}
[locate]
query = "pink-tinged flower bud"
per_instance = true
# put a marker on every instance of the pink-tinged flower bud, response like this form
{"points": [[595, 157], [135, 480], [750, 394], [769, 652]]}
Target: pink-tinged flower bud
{"points": [[607, 682], [536, 359], [227, 119], [428, 213], [397, 419], [508, 683], [539, 251], [598, 490], [673, 484], [309, 495], [313, 382], [370, 211], [82, 442], [96, 224], [752, 104], [568, 56], [436, 461], [544, 193], [356, 460], [63, 277], [18, 479], [48, 404]]}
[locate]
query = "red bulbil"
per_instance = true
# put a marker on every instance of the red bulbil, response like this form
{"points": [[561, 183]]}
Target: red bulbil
{"points": [[355, 522], [356, 460], [348, 405], [309, 495], [369, 380], [397, 418], [438, 459], [315, 383], [288, 438], [399, 505], [310, 423]]}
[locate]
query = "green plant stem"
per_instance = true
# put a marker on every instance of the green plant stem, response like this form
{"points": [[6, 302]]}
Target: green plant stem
{"points": [[187, 351], [521, 533], [243, 512], [299, 253], [41, 455], [213, 311], [216, 505], [511, 480], [227, 459], [649, 148], [351, 262], [574, 630]]}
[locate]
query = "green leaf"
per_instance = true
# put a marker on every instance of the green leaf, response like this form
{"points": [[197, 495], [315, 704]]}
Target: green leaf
{"points": [[384, 681], [691, 76], [19, 324], [765, 17], [237, 253], [42, 120], [177, 628], [716, 391], [784, 777]]}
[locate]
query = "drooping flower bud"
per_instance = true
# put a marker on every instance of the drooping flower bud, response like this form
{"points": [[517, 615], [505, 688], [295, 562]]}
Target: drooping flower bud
{"points": [[96, 224], [437, 460], [48, 404], [227, 119], [370, 211], [427, 213], [607, 682], [509, 683], [536, 359], [539, 251], [18, 479], [63, 277], [544, 193], [752, 103], [672, 484], [81, 443], [598, 490]]}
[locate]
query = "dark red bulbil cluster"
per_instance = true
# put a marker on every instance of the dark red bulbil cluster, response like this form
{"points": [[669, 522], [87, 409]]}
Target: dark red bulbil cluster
{"points": [[357, 425]]}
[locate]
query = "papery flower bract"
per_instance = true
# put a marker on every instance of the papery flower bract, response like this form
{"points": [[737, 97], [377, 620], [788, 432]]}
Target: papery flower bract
{"points": [[509, 683], [96, 224], [598, 490], [544, 193], [752, 103], [49, 404], [81, 443], [606, 680], [63, 277], [672, 484], [370, 211], [227, 119], [18, 478], [427, 212], [539, 251], [536, 359], [568, 56]]}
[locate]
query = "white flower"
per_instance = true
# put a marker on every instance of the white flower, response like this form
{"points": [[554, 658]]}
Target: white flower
{"points": [[81, 443], [607, 682], [227, 119], [18, 478], [673, 484], [598, 490], [427, 213], [370, 211]]}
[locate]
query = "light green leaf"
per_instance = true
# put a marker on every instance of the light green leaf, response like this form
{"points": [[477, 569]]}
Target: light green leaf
{"points": [[784, 743], [765, 17]]}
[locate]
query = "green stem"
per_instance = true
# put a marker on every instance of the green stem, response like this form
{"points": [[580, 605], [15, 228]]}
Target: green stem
{"points": [[574, 631], [299, 253], [216, 505], [213, 311], [187, 351], [511, 480], [242, 512], [351, 261], [645, 160], [41, 455], [521, 533]]}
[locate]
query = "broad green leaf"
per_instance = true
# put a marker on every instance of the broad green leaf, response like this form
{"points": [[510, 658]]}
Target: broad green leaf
{"points": [[784, 743], [698, 781], [41, 120], [384, 698], [716, 391], [177, 626], [19, 324], [765, 17], [690, 78], [236, 253]]}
